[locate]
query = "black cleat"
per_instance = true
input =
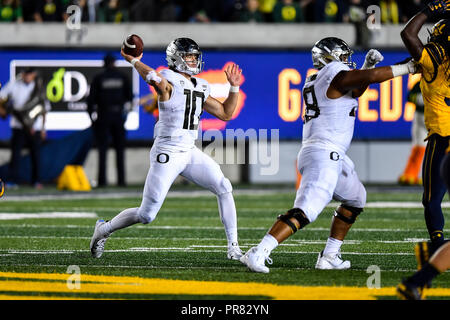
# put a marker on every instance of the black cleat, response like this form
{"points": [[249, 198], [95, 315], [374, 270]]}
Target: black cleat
{"points": [[408, 291]]}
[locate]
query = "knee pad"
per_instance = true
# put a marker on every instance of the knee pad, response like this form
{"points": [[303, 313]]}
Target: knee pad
{"points": [[355, 212], [224, 186], [298, 215]]}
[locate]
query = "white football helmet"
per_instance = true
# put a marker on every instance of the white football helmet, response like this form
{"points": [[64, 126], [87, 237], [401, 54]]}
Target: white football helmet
{"points": [[178, 49], [331, 49]]}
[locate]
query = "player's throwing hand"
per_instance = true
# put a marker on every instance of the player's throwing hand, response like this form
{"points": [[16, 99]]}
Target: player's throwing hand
{"points": [[128, 57]]}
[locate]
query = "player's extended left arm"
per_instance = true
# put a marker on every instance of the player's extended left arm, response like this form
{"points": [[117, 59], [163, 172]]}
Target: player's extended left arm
{"points": [[223, 111], [373, 57], [360, 79]]}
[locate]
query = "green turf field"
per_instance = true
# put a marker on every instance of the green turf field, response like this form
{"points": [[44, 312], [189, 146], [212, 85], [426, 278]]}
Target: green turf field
{"points": [[182, 254]]}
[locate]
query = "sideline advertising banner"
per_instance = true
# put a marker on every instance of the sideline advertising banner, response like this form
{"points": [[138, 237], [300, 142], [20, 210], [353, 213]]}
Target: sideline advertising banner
{"points": [[270, 93]]}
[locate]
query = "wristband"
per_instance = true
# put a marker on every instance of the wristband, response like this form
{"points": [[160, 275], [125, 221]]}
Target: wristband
{"points": [[399, 70], [234, 89], [367, 65], [152, 76], [133, 62]]}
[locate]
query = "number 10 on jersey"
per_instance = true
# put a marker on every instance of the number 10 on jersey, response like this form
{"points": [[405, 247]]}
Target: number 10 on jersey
{"points": [[190, 121]]}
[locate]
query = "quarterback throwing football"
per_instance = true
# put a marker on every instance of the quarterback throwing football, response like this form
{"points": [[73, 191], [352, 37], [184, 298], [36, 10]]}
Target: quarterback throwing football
{"points": [[181, 100], [327, 172]]}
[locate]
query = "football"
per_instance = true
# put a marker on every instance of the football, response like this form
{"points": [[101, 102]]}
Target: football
{"points": [[133, 45]]}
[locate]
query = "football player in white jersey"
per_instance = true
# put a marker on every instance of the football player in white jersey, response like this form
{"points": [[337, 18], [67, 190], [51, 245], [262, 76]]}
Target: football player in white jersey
{"points": [[181, 100], [327, 172]]}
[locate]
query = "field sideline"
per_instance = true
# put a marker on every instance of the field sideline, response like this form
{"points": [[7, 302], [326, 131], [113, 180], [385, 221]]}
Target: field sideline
{"points": [[44, 242]]}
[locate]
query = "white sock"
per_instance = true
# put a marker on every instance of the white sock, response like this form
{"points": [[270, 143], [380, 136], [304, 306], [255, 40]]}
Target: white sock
{"points": [[124, 219], [332, 247], [267, 244], [231, 236], [227, 211]]}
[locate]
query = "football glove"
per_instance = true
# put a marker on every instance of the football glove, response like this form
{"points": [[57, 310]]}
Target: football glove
{"points": [[438, 8], [372, 58]]}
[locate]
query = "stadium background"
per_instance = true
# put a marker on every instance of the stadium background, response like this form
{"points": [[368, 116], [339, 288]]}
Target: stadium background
{"points": [[45, 234], [274, 56]]}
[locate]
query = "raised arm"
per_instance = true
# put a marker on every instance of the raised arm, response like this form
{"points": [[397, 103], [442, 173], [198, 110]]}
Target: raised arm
{"points": [[153, 78], [373, 57], [224, 111], [345, 81], [410, 36], [436, 9]]}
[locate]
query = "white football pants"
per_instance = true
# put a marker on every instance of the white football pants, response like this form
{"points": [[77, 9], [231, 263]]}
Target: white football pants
{"points": [[194, 165], [326, 175]]}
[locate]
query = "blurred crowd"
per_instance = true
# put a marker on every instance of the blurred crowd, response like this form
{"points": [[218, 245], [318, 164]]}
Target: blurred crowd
{"points": [[207, 11]]}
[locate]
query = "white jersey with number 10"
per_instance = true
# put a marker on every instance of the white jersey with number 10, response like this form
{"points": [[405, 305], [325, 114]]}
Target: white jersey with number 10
{"points": [[180, 115]]}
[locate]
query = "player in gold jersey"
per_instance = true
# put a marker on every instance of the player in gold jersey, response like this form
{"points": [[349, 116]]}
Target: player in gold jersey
{"points": [[433, 58]]}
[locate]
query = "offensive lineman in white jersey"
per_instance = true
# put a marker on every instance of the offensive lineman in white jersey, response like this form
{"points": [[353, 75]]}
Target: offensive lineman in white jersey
{"points": [[327, 172], [182, 99]]}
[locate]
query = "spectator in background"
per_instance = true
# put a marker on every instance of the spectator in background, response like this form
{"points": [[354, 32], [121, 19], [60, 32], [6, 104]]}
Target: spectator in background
{"points": [[166, 11], [207, 11], [18, 96], [329, 10], [153, 11], [89, 9], [356, 14], [51, 10], [390, 12], [356, 10], [286, 11], [110, 91], [250, 12], [29, 10], [308, 10], [10, 11], [140, 10], [409, 8], [113, 11], [266, 7]]}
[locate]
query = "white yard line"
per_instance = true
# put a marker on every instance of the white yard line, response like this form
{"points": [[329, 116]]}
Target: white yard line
{"points": [[196, 194], [237, 266], [206, 228], [240, 209], [136, 194], [49, 215], [291, 242], [191, 250]]}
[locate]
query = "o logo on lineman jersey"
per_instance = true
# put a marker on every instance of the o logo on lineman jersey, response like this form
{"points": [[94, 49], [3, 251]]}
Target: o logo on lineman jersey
{"points": [[162, 158], [334, 156]]}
